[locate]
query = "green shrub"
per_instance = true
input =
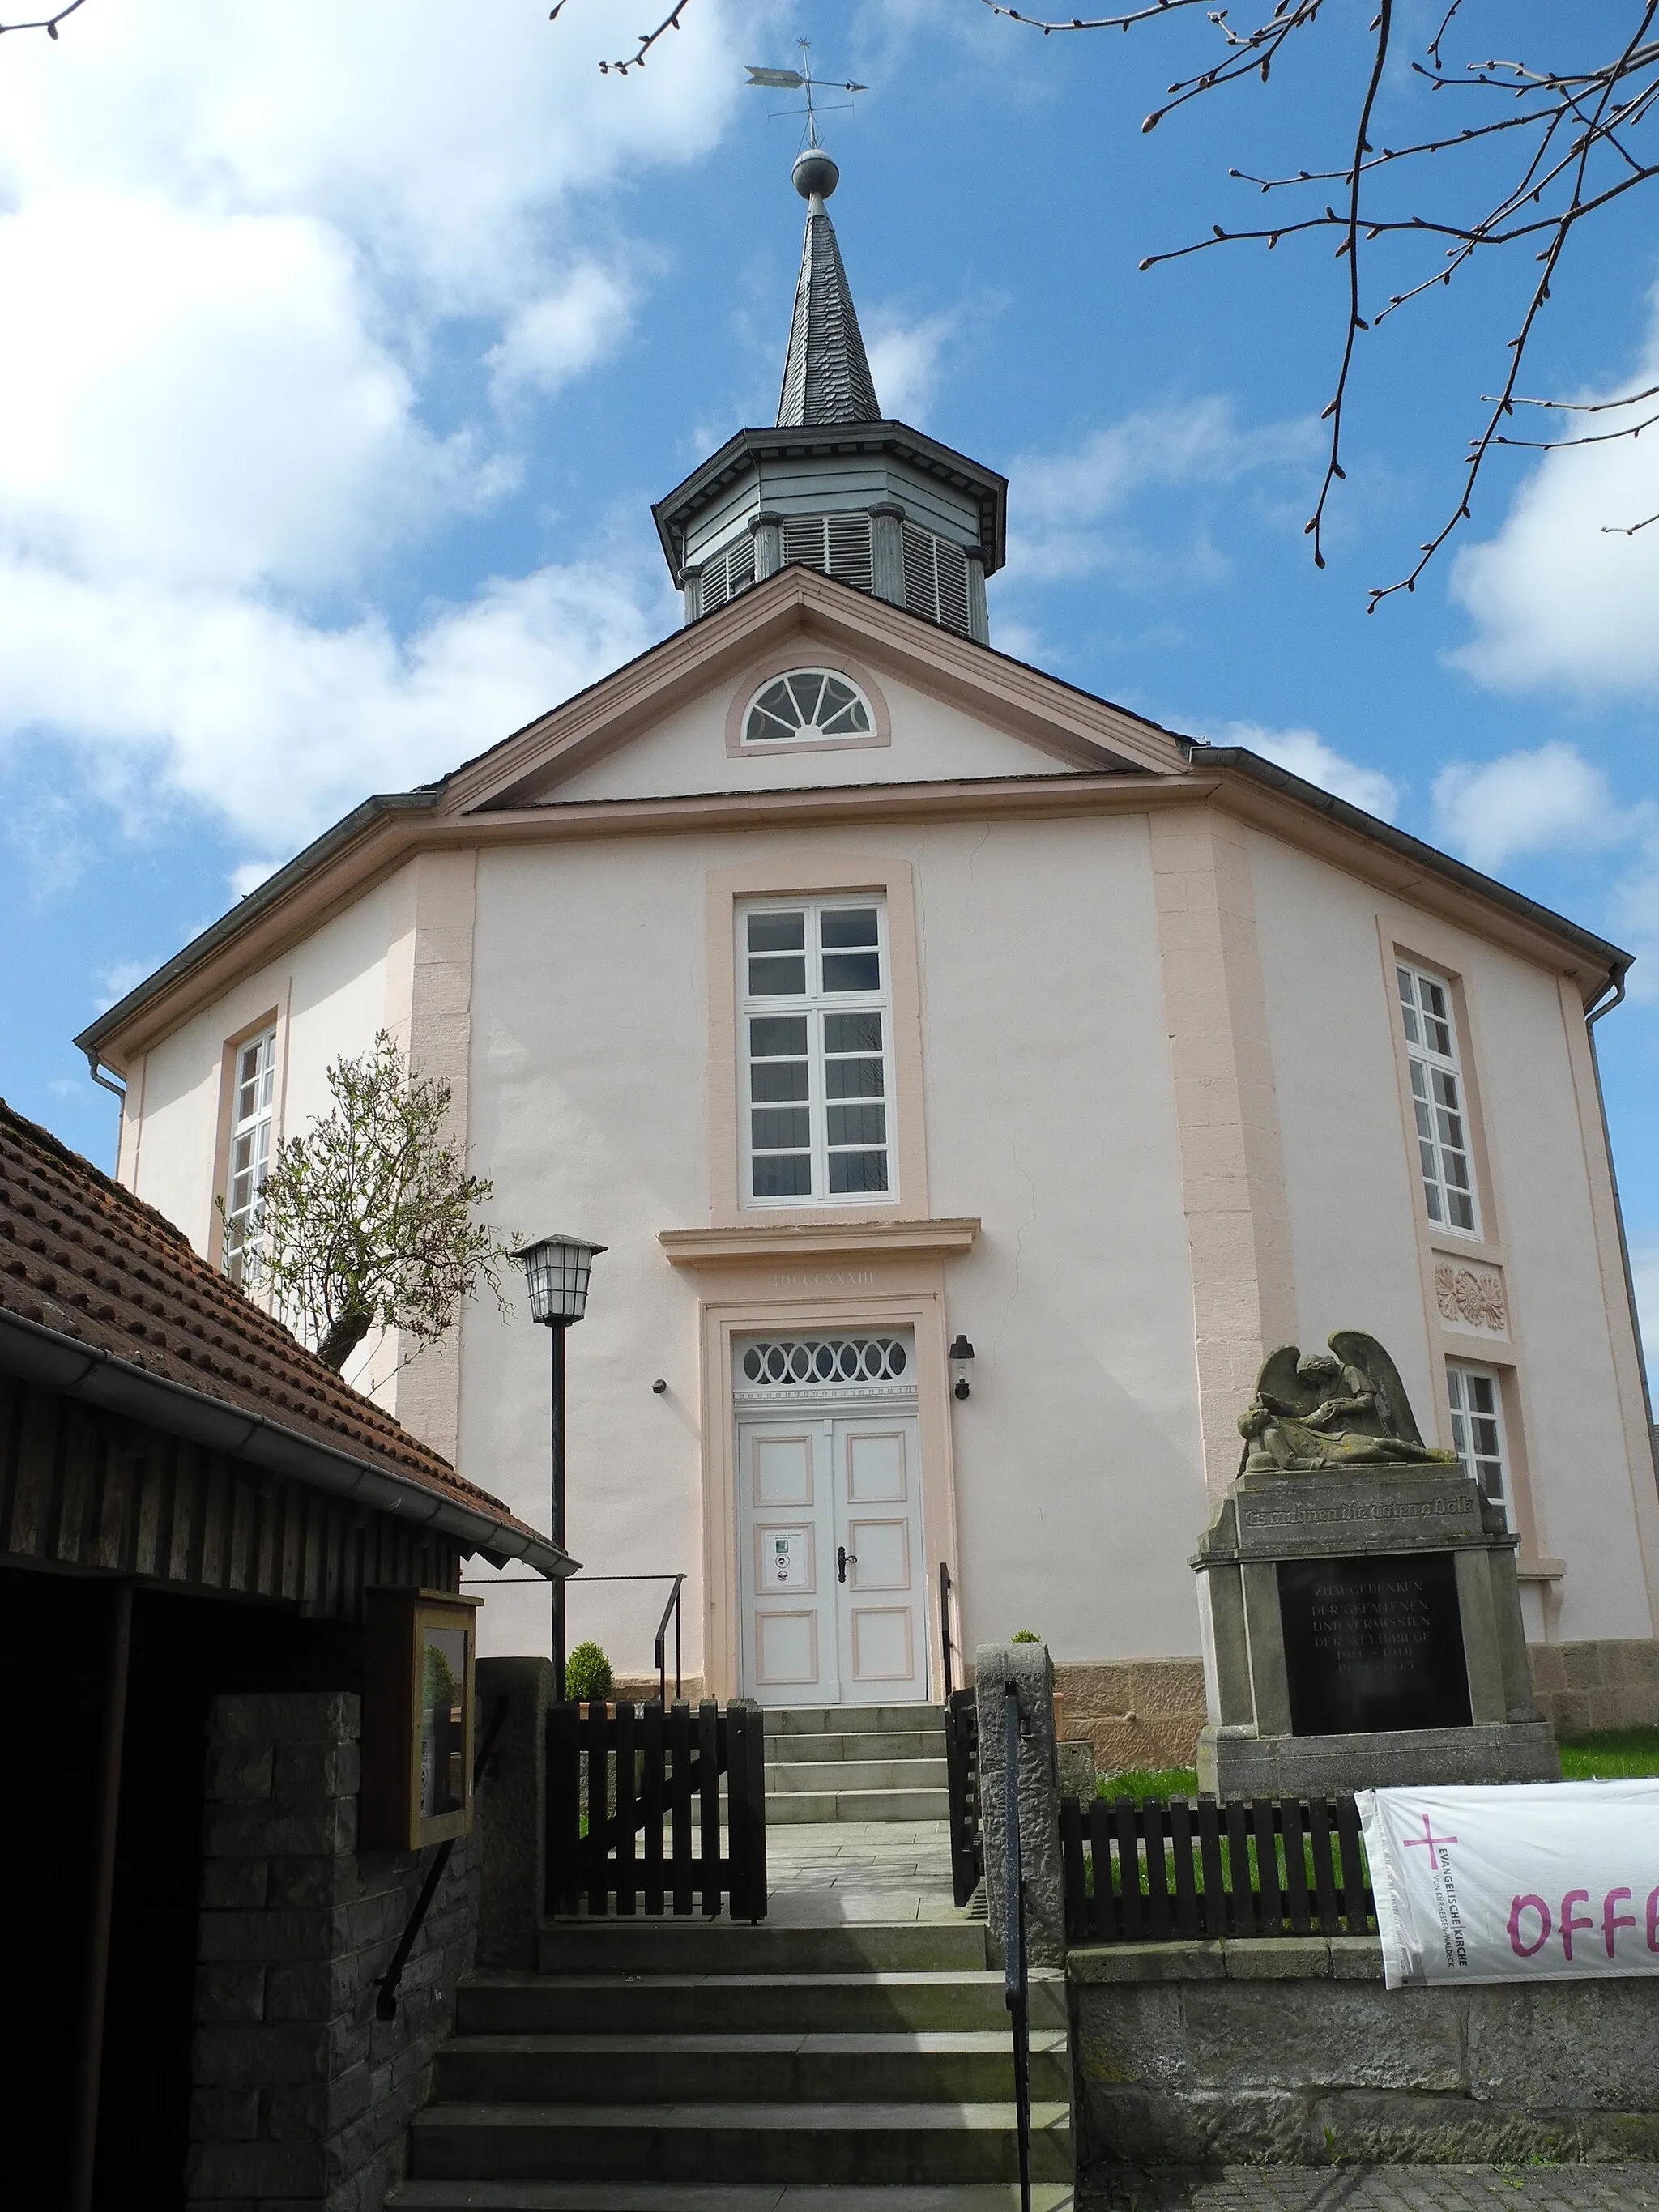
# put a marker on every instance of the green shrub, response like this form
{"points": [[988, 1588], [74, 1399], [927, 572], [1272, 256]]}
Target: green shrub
{"points": [[1025, 1635], [588, 1674]]}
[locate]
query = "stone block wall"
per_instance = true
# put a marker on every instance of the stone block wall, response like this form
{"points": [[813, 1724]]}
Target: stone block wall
{"points": [[1613, 1683], [1135, 1712], [301, 2096], [1291, 2051]]}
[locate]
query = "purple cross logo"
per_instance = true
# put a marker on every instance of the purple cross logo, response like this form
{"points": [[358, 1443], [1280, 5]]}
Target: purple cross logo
{"points": [[1428, 1840]]}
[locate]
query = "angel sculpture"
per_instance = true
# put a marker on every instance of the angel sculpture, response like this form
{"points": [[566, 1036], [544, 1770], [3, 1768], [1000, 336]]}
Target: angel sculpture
{"points": [[1345, 1408]]}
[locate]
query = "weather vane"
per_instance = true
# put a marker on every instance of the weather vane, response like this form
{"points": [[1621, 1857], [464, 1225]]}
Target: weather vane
{"points": [[801, 80]]}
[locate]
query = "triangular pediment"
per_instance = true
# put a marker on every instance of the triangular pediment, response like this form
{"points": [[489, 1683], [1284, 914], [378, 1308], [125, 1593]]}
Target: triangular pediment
{"points": [[943, 709]]}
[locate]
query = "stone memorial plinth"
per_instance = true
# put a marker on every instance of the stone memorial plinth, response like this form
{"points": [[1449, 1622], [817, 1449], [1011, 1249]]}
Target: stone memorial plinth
{"points": [[1362, 1619]]}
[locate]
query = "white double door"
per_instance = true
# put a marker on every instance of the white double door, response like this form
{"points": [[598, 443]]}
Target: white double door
{"points": [[830, 1557]]}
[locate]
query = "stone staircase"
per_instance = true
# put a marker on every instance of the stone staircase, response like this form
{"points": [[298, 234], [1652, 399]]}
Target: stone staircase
{"points": [[655, 2066], [836, 1763]]}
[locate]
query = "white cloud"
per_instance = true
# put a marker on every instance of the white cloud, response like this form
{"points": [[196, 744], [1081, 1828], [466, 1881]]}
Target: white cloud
{"points": [[551, 339], [1557, 603], [120, 977], [1063, 498], [1306, 754], [1551, 799], [904, 361], [276, 724], [1644, 1275], [236, 250]]}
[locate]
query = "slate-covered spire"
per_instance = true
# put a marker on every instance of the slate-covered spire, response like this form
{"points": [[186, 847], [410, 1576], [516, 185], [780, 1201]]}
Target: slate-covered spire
{"points": [[826, 378]]}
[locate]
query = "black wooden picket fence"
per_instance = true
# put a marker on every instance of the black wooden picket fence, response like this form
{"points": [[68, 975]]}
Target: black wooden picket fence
{"points": [[645, 1832], [1171, 1873]]}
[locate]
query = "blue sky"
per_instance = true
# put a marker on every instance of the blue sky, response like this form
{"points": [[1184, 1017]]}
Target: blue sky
{"points": [[358, 341]]}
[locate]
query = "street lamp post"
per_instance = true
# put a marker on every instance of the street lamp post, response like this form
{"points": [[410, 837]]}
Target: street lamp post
{"points": [[556, 1271]]}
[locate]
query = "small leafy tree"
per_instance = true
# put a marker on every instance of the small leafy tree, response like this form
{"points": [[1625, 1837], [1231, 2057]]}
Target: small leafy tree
{"points": [[366, 1220]]}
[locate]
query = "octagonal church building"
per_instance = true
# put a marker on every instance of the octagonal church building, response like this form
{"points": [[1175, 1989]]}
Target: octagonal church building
{"points": [[971, 1082]]}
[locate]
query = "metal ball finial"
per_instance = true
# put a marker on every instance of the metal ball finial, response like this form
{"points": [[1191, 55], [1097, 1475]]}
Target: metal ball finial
{"points": [[814, 176]]}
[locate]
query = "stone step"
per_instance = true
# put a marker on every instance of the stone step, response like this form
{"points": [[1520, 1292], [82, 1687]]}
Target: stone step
{"points": [[687, 2143], [664, 1945], [846, 1720], [843, 1774], [721, 2197], [699, 2004], [853, 1743], [925, 2066], [794, 1809]]}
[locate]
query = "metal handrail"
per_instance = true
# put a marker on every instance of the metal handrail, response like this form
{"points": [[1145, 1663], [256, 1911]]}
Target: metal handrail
{"points": [[660, 1648], [385, 2003], [944, 1625], [1016, 1984]]}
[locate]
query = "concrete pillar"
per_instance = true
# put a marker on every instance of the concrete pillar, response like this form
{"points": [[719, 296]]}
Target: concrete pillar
{"points": [[511, 1811], [887, 552], [1028, 1666]]}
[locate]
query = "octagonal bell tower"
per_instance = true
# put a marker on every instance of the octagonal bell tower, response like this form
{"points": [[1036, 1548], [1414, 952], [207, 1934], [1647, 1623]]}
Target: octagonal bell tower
{"points": [[834, 483]]}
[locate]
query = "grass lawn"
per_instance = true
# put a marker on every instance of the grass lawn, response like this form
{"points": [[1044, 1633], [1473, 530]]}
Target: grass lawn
{"points": [[1611, 1755]]}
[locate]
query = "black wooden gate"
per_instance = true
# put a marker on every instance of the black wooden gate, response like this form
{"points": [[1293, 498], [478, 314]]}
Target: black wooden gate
{"points": [[646, 1831]]}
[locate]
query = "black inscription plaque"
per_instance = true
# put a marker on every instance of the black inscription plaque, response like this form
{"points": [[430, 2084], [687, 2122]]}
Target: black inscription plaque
{"points": [[1373, 1643]]}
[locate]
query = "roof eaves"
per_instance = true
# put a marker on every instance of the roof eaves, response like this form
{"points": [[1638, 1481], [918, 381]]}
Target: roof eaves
{"points": [[269, 894], [1239, 758], [56, 1362]]}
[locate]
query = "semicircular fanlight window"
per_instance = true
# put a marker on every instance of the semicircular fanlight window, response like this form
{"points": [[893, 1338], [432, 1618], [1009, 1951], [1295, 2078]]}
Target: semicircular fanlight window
{"points": [[806, 705]]}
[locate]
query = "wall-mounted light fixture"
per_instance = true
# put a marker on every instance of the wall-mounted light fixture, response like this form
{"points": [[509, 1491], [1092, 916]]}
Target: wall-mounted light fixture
{"points": [[659, 1388], [959, 1355]]}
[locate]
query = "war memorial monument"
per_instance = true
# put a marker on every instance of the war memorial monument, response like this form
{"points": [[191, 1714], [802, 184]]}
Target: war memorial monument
{"points": [[1361, 1615]]}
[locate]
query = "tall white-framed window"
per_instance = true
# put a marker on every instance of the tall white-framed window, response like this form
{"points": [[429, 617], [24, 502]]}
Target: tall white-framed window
{"points": [[252, 1119], [1443, 1136], [815, 1045], [1476, 1397]]}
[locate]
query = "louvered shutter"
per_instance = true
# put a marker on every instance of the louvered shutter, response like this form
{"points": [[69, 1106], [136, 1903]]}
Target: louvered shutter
{"points": [[849, 539]]}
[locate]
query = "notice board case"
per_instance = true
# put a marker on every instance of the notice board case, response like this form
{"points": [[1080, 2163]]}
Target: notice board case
{"points": [[418, 1662]]}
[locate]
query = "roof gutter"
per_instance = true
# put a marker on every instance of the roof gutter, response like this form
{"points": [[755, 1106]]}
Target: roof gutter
{"points": [[356, 824], [56, 1362], [1428, 857]]}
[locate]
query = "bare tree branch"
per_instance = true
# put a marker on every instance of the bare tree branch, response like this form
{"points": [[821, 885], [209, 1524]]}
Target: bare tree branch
{"points": [[1574, 126], [48, 23]]}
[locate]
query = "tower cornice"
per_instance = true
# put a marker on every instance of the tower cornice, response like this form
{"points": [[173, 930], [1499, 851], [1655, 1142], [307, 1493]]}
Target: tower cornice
{"points": [[750, 452]]}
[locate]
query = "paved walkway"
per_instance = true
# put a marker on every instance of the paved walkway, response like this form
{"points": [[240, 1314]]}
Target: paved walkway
{"points": [[1379, 2189], [820, 1875]]}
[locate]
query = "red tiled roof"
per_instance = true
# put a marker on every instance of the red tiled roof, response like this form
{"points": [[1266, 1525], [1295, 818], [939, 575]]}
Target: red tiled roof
{"points": [[80, 1255]]}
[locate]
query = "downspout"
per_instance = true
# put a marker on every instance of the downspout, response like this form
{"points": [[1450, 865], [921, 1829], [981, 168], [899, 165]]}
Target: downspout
{"points": [[115, 1089], [1591, 1019]]}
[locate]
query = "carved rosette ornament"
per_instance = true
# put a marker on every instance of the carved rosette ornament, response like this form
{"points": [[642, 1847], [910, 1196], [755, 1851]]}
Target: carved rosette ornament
{"points": [[1471, 1298]]}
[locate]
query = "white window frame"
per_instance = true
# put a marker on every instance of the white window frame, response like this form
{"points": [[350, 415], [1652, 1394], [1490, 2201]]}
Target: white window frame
{"points": [[1477, 1430], [808, 733], [252, 1133], [1440, 1106], [814, 1006]]}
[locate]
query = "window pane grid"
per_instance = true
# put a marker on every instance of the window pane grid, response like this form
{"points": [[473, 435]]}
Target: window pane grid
{"points": [[1437, 1100], [1475, 1397], [816, 1116], [252, 1118]]}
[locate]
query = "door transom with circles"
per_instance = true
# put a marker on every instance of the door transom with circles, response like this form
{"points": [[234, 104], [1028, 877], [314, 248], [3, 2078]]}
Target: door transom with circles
{"points": [[831, 1561]]}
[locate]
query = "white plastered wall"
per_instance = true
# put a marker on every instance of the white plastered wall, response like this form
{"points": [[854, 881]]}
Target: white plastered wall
{"points": [[1049, 1117], [1355, 1201], [687, 751], [329, 995]]}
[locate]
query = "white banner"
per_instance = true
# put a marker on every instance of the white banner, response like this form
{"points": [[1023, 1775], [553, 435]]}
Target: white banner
{"points": [[1541, 1881]]}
